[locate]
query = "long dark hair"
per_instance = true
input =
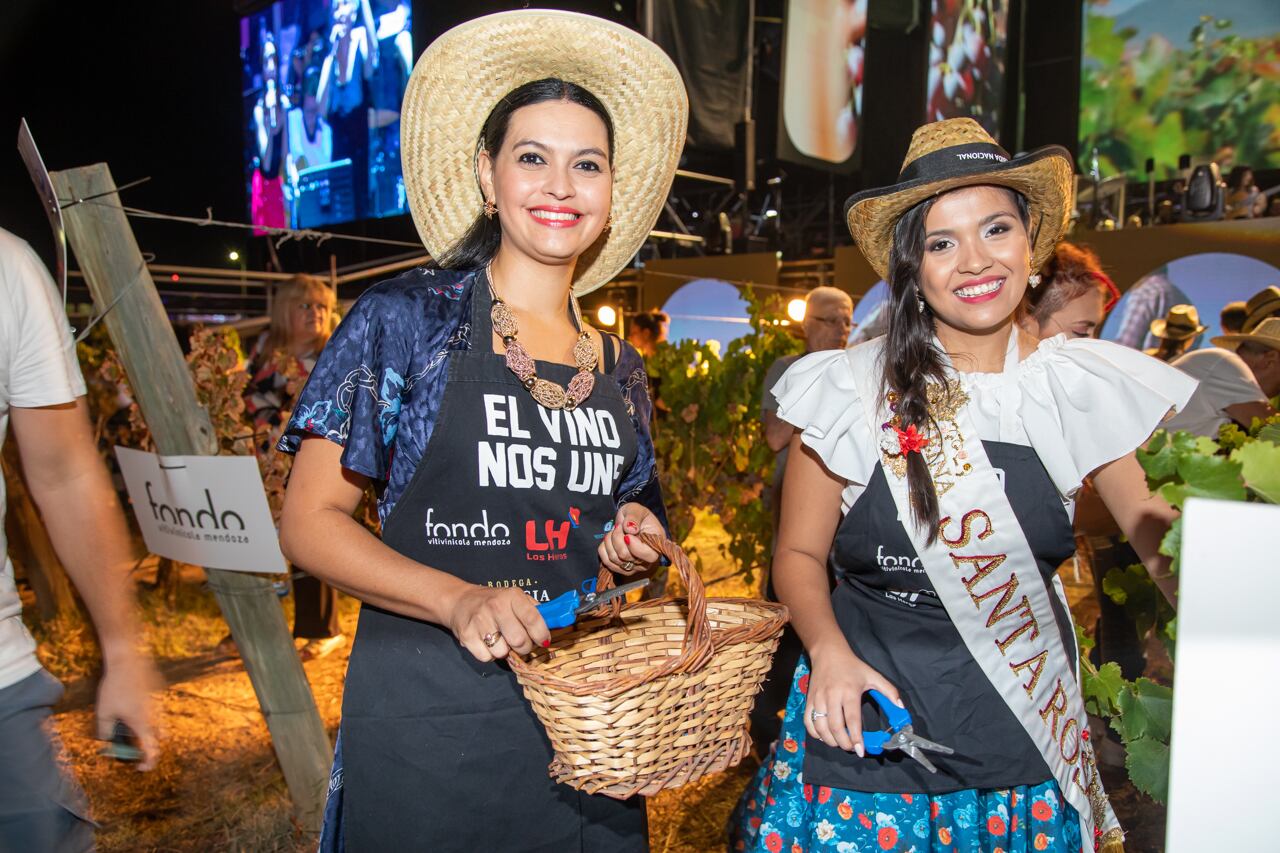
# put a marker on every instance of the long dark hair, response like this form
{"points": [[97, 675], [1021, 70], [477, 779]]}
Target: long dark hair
{"points": [[480, 243], [912, 359]]}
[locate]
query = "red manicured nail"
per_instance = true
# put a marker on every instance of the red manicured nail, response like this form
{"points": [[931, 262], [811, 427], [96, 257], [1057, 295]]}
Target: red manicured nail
{"points": [[631, 525], [546, 644], [626, 538]]}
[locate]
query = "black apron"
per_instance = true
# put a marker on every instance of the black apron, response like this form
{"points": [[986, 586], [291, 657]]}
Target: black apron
{"points": [[893, 620], [440, 751]]}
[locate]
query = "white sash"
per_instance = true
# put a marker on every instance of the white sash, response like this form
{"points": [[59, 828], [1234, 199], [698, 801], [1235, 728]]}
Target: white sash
{"points": [[986, 576]]}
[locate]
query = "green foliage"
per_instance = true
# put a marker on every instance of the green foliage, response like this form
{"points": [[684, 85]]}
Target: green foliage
{"points": [[1260, 466], [1147, 761], [1141, 712], [1099, 686], [1144, 723], [710, 442], [1242, 465], [1159, 100], [1146, 711], [1132, 589]]}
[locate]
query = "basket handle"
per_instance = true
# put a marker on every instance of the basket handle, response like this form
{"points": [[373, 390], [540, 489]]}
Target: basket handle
{"points": [[696, 650]]}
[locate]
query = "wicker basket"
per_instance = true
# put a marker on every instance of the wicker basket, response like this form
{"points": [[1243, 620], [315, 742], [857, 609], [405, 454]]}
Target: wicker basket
{"points": [[647, 696]]}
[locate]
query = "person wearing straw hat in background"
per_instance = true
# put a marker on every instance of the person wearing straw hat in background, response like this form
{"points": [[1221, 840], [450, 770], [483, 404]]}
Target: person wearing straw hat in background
{"points": [[1237, 375], [1261, 306], [507, 439], [937, 467], [1177, 332], [1260, 350]]}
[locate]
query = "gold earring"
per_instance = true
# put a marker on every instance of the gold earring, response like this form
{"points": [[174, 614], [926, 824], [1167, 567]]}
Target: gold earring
{"points": [[489, 209], [608, 223]]}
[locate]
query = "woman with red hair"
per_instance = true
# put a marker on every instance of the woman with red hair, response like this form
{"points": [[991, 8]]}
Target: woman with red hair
{"points": [[1074, 299]]}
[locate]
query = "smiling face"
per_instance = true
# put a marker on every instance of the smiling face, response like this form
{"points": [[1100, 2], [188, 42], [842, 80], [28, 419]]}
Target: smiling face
{"points": [[550, 180], [977, 257]]}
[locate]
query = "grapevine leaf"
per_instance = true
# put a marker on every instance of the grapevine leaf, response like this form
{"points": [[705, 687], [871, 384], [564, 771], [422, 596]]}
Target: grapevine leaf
{"points": [[1147, 761], [1205, 477], [1260, 464], [1158, 458], [1270, 432], [1133, 589], [1102, 688], [1146, 711]]}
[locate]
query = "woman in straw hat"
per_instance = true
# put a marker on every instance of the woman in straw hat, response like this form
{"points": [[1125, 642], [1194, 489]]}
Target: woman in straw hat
{"points": [[508, 441], [1177, 332], [937, 465]]}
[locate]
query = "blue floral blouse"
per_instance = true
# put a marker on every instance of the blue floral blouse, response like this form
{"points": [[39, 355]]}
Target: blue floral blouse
{"points": [[377, 387]]}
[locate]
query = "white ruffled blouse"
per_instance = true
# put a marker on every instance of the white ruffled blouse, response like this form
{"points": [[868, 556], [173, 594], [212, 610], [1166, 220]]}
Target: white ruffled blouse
{"points": [[1079, 403]]}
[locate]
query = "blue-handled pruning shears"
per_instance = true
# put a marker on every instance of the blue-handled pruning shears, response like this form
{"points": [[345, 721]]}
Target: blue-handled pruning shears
{"points": [[900, 735], [562, 611]]}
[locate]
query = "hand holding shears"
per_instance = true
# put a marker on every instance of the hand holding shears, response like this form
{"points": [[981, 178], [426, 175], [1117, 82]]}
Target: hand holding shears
{"points": [[564, 610], [900, 734]]}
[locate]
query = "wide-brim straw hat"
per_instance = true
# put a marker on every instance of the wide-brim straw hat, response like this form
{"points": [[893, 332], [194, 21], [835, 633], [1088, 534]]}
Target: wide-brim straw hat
{"points": [[1182, 322], [464, 73], [1263, 304], [954, 153], [1267, 334]]}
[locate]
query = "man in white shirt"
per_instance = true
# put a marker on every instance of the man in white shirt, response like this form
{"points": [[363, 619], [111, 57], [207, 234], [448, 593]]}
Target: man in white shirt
{"points": [[1237, 376], [42, 391], [1260, 350]]}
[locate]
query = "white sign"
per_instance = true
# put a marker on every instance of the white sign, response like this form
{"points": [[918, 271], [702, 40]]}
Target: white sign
{"points": [[1224, 756], [206, 510]]}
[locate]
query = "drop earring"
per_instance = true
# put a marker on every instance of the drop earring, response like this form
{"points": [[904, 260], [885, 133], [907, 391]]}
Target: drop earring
{"points": [[1034, 279], [489, 209], [919, 301]]}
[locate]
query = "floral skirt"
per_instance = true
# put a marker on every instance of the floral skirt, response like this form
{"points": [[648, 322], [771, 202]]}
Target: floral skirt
{"points": [[779, 812]]}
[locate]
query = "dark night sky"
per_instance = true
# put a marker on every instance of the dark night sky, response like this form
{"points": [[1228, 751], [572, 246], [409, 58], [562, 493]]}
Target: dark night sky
{"points": [[153, 89]]}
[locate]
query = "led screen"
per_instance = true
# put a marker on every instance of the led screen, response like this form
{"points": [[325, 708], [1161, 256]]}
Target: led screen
{"points": [[822, 59], [322, 85], [1162, 79], [967, 48]]}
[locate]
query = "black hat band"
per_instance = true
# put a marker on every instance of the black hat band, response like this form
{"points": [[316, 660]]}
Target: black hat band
{"points": [[954, 161]]}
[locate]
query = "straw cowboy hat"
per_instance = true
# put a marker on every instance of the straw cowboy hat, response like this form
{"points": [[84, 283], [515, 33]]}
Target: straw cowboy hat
{"points": [[463, 74], [956, 153], [1263, 304], [1182, 322], [1267, 333]]}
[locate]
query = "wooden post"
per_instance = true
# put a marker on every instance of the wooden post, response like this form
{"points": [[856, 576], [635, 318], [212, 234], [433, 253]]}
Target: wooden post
{"points": [[113, 267]]}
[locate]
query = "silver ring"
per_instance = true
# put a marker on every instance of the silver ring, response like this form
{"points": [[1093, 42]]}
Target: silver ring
{"points": [[813, 715], [491, 639], [628, 565]]}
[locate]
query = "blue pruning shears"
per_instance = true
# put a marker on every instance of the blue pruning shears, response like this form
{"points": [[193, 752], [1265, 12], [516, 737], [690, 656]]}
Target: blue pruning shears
{"points": [[900, 735], [562, 611]]}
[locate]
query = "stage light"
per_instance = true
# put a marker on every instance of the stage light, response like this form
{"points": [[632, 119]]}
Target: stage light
{"points": [[770, 213], [606, 315], [233, 255], [173, 277], [795, 309]]}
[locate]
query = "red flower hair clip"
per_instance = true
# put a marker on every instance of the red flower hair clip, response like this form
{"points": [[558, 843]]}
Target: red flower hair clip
{"points": [[910, 441], [900, 442]]}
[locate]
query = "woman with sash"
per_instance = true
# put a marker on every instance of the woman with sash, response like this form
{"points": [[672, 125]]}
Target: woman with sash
{"points": [[508, 441], [937, 466]]}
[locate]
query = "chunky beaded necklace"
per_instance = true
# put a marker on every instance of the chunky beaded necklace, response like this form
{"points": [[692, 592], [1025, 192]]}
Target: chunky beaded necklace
{"points": [[547, 394]]}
